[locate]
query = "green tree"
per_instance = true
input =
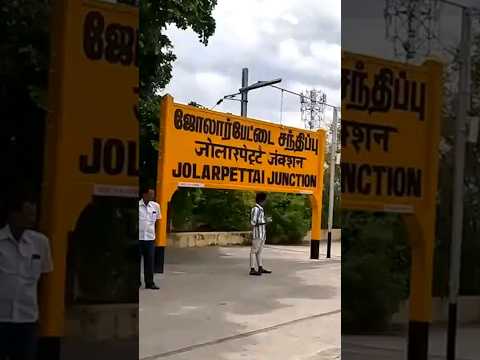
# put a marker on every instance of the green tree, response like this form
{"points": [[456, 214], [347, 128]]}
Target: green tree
{"points": [[227, 210], [24, 59], [183, 204], [156, 59], [149, 132], [291, 218], [223, 210], [24, 50], [375, 269]]}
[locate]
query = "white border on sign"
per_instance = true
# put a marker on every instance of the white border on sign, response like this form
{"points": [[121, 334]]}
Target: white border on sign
{"points": [[115, 190], [192, 185], [398, 208]]}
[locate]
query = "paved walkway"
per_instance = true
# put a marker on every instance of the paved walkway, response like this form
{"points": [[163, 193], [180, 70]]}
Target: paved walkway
{"points": [[393, 347], [210, 308]]}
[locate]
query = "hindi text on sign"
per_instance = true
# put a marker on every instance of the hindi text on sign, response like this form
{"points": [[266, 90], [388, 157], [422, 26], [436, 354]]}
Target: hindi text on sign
{"points": [[362, 134]]}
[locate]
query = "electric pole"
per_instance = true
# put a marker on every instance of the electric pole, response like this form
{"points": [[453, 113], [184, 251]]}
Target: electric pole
{"points": [[425, 14], [244, 94], [243, 91], [333, 164], [463, 105]]}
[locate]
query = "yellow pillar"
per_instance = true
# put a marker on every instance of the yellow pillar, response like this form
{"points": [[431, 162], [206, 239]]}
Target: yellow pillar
{"points": [[164, 190], [316, 200], [422, 229], [316, 204]]}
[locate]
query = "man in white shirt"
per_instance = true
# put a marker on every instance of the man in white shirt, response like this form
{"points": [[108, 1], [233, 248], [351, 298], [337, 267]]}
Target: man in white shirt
{"points": [[259, 234], [148, 215], [24, 256]]}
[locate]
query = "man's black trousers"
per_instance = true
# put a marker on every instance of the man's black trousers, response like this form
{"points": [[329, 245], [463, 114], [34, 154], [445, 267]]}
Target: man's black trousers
{"points": [[147, 252]]}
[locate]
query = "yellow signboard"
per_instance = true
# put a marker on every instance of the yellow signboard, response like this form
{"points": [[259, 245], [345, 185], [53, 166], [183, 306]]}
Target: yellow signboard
{"points": [[390, 131], [202, 148], [391, 115], [92, 129]]}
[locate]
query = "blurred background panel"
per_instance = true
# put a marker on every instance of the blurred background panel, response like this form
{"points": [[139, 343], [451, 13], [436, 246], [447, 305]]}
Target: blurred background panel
{"points": [[69, 95], [411, 32]]}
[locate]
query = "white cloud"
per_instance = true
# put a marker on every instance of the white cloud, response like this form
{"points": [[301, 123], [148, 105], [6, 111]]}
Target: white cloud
{"points": [[298, 41]]}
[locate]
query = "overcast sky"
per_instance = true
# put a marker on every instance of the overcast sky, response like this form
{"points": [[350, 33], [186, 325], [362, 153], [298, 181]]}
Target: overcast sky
{"points": [[363, 29], [298, 41]]}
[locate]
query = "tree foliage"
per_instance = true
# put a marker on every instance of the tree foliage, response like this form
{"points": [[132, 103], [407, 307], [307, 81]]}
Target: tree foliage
{"points": [[24, 50], [156, 58], [375, 269], [291, 218], [149, 133], [24, 58], [225, 210]]}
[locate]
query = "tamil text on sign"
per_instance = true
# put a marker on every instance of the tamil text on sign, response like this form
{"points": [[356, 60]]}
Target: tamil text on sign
{"points": [[389, 129], [202, 148], [222, 150]]}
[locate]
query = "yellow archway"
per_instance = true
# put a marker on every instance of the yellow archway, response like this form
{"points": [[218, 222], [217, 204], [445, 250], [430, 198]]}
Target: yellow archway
{"points": [[91, 135], [209, 149], [390, 137]]}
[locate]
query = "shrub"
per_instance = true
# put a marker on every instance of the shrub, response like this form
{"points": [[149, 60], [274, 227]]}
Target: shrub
{"points": [[375, 270], [224, 210], [290, 218]]}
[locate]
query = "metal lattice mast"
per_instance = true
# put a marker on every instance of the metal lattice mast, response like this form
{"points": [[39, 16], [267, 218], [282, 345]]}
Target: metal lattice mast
{"points": [[312, 107], [412, 26]]}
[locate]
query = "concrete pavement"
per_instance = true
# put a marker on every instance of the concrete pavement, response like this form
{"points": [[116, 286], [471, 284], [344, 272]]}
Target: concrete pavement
{"points": [[393, 347], [210, 308]]}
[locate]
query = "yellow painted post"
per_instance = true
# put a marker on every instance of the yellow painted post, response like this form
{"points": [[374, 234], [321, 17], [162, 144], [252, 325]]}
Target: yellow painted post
{"points": [[412, 144], [164, 190], [316, 200], [90, 120], [316, 204], [52, 286], [420, 302], [422, 229]]}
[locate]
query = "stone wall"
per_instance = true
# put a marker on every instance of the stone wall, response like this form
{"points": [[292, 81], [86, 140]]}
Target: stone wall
{"points": [[468, 311], [336, 235], [202, 239]]}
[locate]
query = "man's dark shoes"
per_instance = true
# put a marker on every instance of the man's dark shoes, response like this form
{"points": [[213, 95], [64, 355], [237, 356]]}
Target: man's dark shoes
{"points": [[152, 287], [263, 271], [255, 272]]}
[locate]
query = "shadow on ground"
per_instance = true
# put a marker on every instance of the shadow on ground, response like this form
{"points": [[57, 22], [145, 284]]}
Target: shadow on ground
{"points": [[207, 297]]}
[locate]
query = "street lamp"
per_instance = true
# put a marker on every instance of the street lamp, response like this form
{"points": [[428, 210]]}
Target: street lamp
{"points": [[226, 97], [259, 84], [243, 91], [246, 88]]}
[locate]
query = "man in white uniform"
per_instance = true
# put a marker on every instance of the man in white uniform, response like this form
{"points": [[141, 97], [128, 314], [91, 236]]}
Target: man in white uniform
{"points": [[24, 257], [148, 215], [259, 234]]}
